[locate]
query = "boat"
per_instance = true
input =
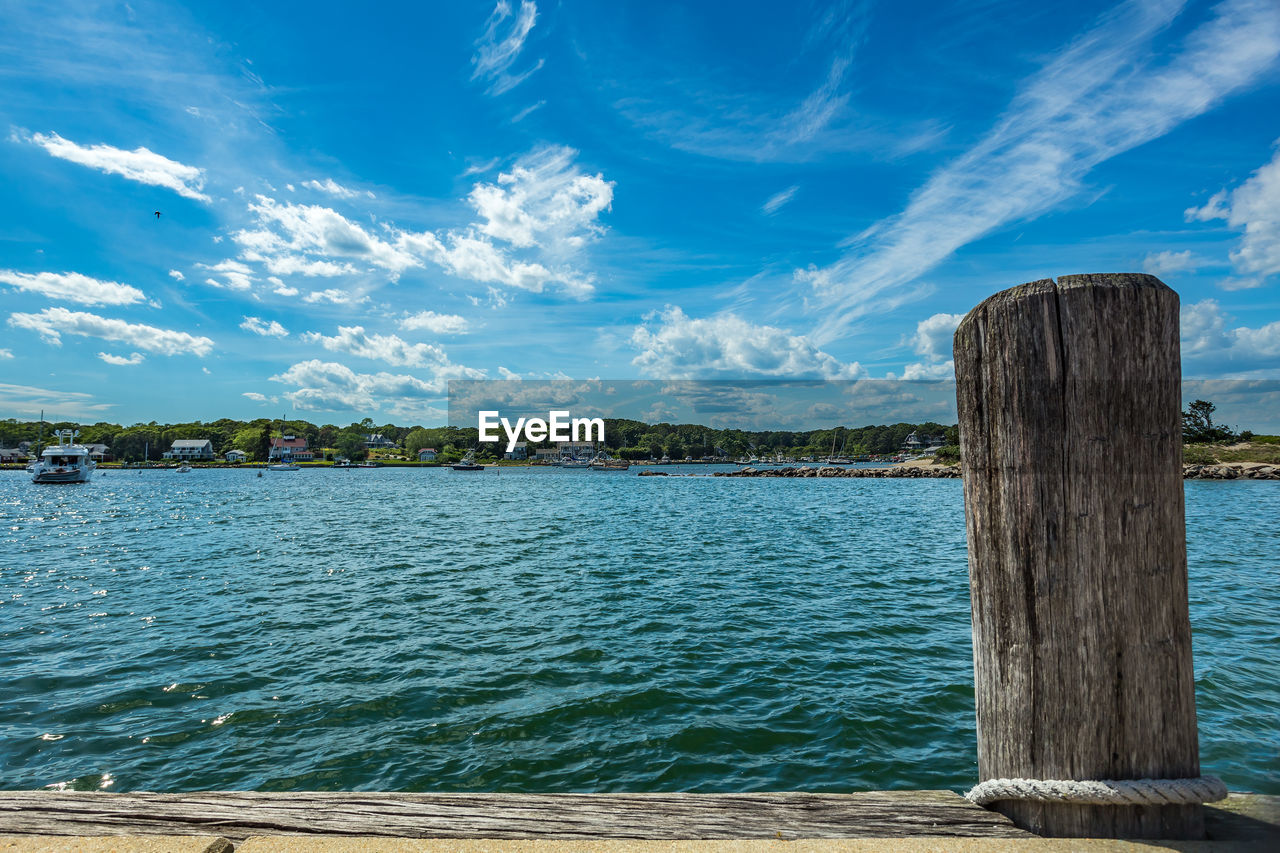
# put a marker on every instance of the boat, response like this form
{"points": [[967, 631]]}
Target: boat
{"points": [[286, 463], [342, 463], [568, 460], [468, 463], [368, 464], [184, 468], [64, 462], [604, 462]]}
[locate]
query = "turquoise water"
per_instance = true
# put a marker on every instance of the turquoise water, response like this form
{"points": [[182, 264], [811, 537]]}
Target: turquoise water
{"points": [[542, 630]]}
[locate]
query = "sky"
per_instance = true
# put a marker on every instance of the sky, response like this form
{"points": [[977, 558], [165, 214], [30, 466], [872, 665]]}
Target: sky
{"points": [[357, 206]]}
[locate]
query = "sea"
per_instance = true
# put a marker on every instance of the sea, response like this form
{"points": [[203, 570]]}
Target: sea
{"points": [[543, 630]]}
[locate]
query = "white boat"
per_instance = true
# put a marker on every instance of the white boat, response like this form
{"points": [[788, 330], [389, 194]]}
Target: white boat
{"points": [[64, 462], [605, 462], [284, 465], [184, 468], [570, 461]]}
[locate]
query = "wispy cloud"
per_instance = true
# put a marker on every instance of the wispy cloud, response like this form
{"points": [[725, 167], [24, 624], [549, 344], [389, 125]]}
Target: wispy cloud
{"points": [[500, 45], [776, 201], [52, 323], [141, 164], [73, 287], [333, 188], [27, 401], [1105, 93]]}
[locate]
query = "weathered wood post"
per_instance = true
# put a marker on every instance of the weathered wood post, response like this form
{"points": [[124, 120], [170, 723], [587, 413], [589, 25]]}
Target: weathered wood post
{"points": [[1070, 420]]}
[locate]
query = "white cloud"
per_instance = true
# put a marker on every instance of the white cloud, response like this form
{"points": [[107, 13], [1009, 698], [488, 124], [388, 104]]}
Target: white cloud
{"points": [[544, 201], [329, 386], [934, 335], [140, 164], [1254, 208], [259, 327], [52, 323], [675, 346], [73, 287], [121, 360], [1210, 346], [933, 340], [776, 201], [236, 276], [1164, 263], [4, 353], [389, 348], [259, 398], [545, 208], [287, 230], [495, 54], [177, 275], [331, 295], [1107, 92], [438, 324], [333, 188]]}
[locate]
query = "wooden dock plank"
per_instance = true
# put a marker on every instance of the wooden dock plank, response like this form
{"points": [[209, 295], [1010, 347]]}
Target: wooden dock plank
{"points": [[238, 815]]}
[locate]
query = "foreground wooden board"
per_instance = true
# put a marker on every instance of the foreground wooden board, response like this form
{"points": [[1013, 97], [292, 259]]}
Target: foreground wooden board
{"points": [[116, 844], [238, 815]]}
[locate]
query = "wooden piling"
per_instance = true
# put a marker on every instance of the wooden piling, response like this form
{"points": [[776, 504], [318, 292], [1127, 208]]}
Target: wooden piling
{"points": [[1070, 427]]}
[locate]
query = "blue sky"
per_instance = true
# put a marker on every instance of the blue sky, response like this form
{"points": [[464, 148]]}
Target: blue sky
{"points": [[358, 205]]}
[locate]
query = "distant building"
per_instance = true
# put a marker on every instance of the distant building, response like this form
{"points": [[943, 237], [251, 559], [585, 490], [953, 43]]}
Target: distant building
{"points": [[190, 448], [99, 452], [235, 456], [520, 452], [427, 454], [378, 441], [10, 455], [580, 449], [290, 447]]}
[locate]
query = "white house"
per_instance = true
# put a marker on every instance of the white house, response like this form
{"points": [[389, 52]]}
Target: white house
{"points": [[235, 456], [190, 448], [378, 440], [520, 451], [427, 454]]}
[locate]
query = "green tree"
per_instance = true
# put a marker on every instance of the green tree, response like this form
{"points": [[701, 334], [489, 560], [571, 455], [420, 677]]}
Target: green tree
{"points": [[1198, 426], [350, 443]]}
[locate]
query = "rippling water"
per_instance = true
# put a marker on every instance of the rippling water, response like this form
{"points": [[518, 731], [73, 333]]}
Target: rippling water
{"points": [[542, 630]]}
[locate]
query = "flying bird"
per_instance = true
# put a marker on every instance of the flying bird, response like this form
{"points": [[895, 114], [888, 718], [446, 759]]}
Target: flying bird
{"points": [[157, 214]]}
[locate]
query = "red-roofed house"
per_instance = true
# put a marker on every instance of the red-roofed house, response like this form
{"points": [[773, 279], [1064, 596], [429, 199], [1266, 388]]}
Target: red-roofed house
{"points": [[290, 447]]}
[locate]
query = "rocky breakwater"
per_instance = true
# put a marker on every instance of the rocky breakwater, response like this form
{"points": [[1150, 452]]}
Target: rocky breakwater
{"points": [[1231, 471], [938, 472]]}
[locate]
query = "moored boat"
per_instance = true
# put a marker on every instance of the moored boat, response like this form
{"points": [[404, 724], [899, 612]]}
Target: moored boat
{"points": [[64, 462], [468, 463], [605, 462]]}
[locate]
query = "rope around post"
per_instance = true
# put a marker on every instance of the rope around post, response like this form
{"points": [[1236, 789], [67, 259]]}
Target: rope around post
{"points": [[1106, 792]]}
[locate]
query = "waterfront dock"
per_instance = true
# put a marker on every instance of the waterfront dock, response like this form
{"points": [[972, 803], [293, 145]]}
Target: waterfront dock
{"points": [[349, 821]]}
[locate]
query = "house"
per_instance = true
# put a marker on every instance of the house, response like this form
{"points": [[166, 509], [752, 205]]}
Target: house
{"points": [[427, 454], [378, 441], [190, 448], [235, 456], [99, 452], [519, 452], [11, 455], [580, 449], [290, 447]]}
